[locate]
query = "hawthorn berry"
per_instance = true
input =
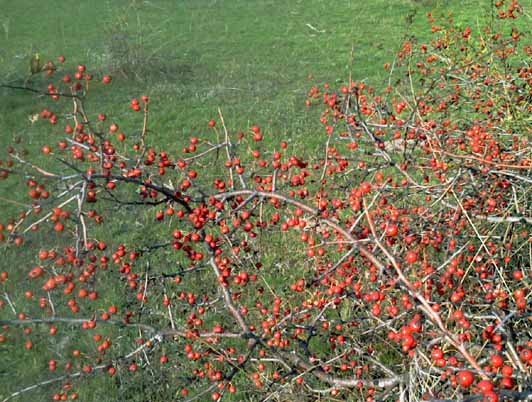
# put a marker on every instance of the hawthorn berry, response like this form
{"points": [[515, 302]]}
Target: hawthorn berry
{"points": [[465, 378]]}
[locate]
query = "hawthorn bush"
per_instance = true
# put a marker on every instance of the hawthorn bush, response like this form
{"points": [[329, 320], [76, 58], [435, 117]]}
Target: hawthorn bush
{"points": [[396, 265]]}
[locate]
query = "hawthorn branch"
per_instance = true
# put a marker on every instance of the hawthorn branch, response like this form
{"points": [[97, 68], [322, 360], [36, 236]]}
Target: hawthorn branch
{"points": [[52, 381], [163, 333], [426, 308], [336, 381], [169, 193], [35, 167], [425, 305], [45, 217], [512, 174], [495, 219], [143, 135], [236, 368], [207, 151], [229, 302], [39, 92], [229, 152], [485, 161]]}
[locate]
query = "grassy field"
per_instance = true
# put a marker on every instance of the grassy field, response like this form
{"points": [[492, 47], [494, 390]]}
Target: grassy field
{"points": [[251, 59]]}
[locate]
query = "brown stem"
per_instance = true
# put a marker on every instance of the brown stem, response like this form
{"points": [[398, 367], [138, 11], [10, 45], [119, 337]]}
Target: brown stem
{"points": [[425, 305], [426, 308]]}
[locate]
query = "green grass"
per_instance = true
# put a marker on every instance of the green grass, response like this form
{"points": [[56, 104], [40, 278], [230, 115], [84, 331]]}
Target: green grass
{"points": [[249, 58]]}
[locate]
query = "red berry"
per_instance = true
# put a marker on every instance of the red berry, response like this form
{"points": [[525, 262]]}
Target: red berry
{"points": [[507, 371], [465, 378], [485, 386], [497, 361], [411, 257], [392, 230], [437, 354], [365, 187]]}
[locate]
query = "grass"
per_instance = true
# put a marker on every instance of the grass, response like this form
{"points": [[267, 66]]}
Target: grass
{"points": [[252, 59]]}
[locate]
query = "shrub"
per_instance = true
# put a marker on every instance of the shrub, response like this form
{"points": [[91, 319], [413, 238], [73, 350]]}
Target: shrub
{"points": [[395, 265]]}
